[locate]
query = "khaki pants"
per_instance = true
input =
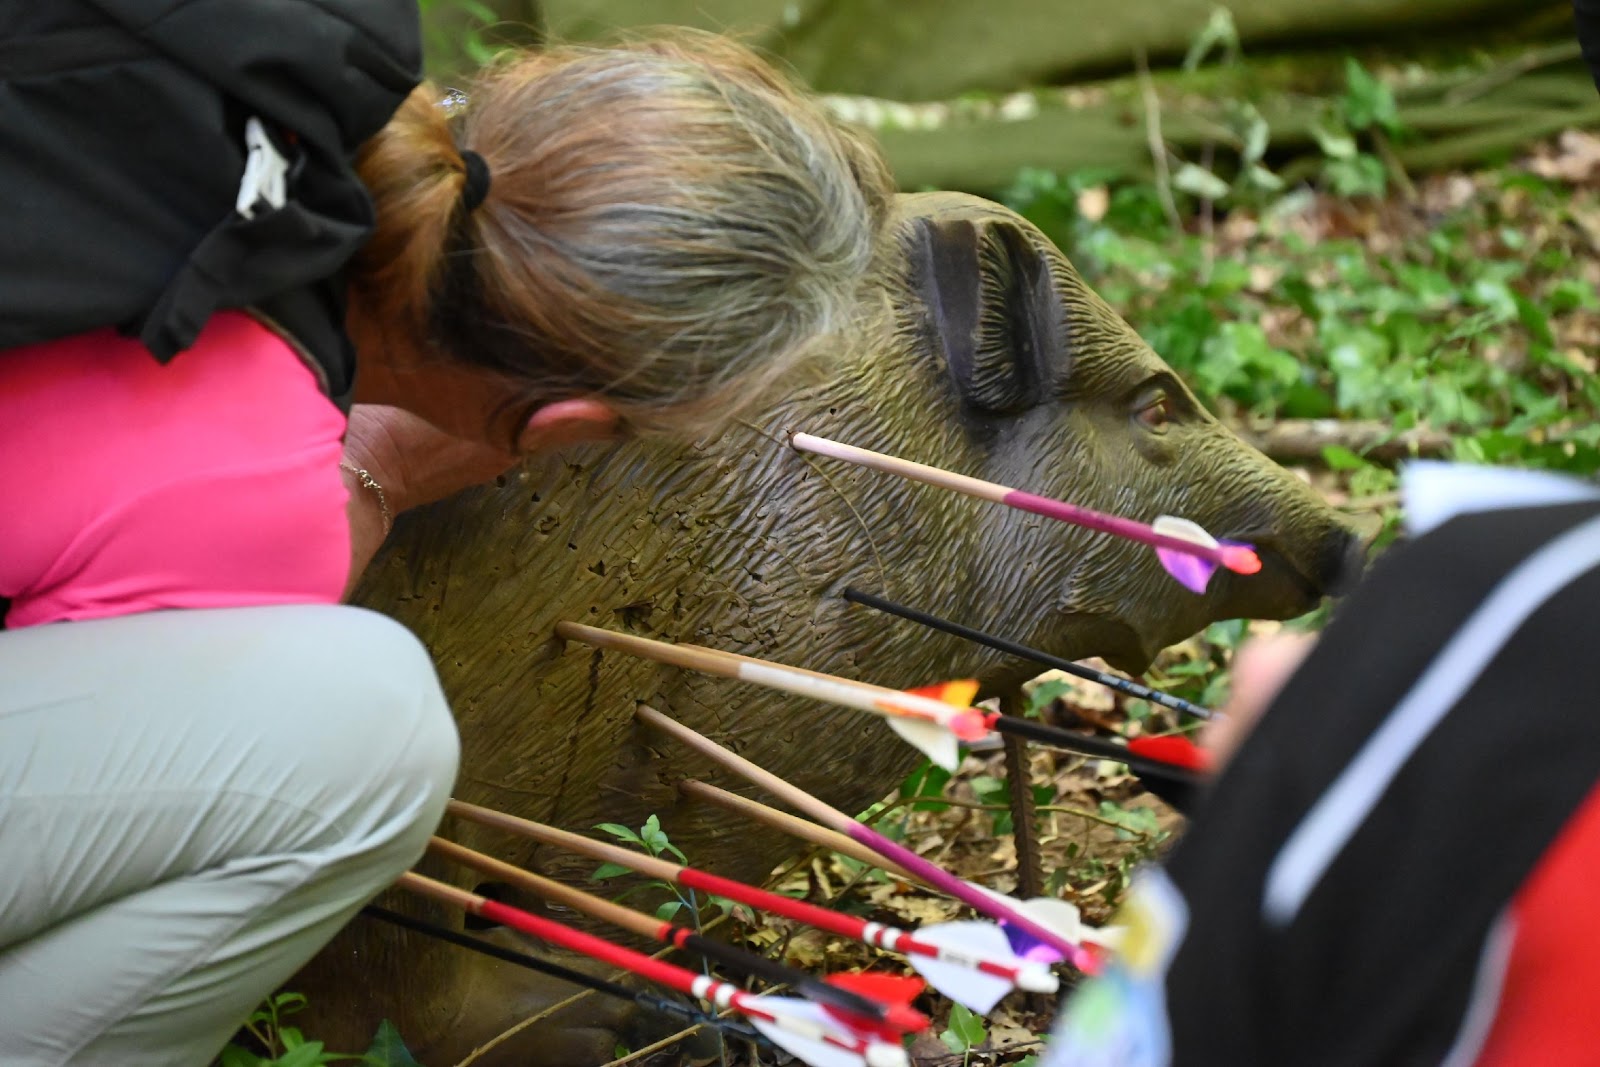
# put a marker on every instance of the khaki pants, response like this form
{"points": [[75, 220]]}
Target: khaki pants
{"points": [[191, 804]]}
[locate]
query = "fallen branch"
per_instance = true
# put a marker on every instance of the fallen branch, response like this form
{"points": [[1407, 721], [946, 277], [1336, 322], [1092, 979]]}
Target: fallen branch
{"points": [[1303, 440]]}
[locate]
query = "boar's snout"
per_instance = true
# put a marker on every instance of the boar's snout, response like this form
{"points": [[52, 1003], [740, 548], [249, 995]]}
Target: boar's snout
{"points": [[1329, 565], [1342, 562]]}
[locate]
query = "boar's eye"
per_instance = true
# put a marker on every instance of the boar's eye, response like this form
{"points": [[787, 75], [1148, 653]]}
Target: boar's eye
{"points": [[1156, 411]]}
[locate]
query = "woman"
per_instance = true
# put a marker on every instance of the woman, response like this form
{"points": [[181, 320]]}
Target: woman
{"points": [[206, 765]]}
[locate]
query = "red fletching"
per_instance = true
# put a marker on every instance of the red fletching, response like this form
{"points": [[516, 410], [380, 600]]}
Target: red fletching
{"points": [[894, 991], [1174, 750]]}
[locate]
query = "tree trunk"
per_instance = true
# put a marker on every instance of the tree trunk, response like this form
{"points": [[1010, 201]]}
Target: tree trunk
{"points": [[937, 49]]}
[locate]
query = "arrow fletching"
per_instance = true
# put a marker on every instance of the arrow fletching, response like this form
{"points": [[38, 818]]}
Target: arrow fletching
{"points": [[802, 1029], [938, 741], [1171, 749], [895, 992], [1192, 572], [970, 941], [928, 738], [957, 693], [1059, 916]]}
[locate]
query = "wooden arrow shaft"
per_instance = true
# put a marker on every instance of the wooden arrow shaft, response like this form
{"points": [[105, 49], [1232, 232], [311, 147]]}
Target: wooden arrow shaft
{"points": [[838, 820], [792, 825], [607, 911]]}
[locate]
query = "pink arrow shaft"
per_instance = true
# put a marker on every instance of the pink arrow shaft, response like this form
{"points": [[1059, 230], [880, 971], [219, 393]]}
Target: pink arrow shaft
{"points": [[838, 820], [1015, 498]]}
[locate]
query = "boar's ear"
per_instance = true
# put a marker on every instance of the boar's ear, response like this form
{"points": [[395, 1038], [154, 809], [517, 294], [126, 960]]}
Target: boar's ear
{"points": [[994, 310]]}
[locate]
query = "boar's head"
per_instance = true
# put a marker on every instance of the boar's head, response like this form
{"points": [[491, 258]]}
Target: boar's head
{"points": [[1054, 389]]}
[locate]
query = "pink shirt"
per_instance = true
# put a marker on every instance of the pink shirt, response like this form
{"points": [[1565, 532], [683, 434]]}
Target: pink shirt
{"points": [[128, 485]]}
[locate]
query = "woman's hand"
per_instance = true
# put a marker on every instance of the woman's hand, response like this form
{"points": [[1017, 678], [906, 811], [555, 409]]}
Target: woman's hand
{"points": [[1260, 669]]}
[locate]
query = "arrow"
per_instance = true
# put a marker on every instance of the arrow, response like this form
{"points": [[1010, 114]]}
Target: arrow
{"points": [[799, 1027], [971, 962], [950, 701], [1059, 914], [1187, 552], [928, 723], [896, 1017], [1015, 915], [1021, 651], [686, 1013], [794, 826]]}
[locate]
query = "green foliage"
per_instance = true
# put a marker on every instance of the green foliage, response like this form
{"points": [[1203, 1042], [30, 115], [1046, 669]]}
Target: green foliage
{"points": [[464, 27], [964, 1033], [925, 780], [1132, 823], [387, 1050], [1473, 323], [1043, 695], [287, 1046], [652, 839]]}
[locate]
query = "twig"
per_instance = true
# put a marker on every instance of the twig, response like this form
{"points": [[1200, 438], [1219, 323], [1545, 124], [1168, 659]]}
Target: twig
{"points": [[1395, 168], [1511, 71], [657, 1046], [1158, 144], [1046, 808], [538, 1016], [1208, 221], [545, 1013]]}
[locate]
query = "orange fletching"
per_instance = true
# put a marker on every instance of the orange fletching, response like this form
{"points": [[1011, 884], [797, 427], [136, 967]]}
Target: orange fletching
{"points": [[959, 693]]}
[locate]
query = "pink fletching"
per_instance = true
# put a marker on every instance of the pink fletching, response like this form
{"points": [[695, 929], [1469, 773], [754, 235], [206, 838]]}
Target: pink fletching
{"points": [[1192, 572]]}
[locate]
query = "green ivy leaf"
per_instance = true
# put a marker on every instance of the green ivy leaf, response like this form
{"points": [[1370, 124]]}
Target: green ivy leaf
{"points": [[387, 1050], [1368, 102], [965, 1032], [1340, 458]]}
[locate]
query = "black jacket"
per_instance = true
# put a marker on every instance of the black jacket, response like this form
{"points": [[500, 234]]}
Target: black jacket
{"points": [[122, 147]]}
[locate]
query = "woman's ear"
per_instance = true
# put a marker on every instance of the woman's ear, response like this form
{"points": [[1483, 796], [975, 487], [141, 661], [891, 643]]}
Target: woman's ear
{"points": [[569, 422]]}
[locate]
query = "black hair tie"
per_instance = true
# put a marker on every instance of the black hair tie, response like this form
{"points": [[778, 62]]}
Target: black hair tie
{"points": [[476, 187]]}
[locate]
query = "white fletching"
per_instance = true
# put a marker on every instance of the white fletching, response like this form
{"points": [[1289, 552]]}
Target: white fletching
{"points": [[963, 983], [931, 739], [1062, 916], [1183, 530], [801, 1029]]}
